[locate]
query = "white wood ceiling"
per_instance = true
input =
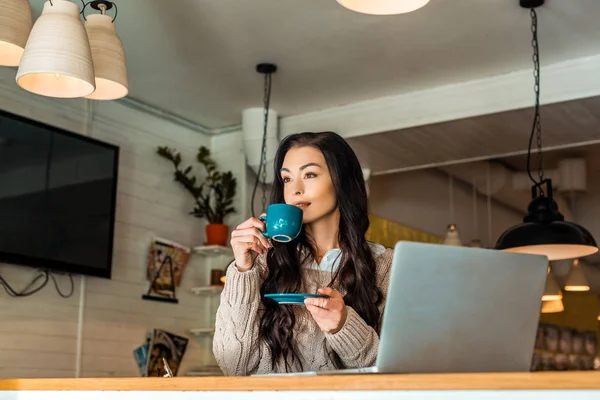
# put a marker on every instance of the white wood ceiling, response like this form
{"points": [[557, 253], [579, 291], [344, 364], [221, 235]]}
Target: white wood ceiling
{"points": [[196, 58], [573, 123]]}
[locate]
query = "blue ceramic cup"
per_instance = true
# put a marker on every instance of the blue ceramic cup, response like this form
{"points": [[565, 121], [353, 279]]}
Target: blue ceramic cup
{"points": [[283, 222]]}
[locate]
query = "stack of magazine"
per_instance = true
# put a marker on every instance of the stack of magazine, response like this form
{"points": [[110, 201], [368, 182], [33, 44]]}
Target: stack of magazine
{"points": [[160, 344]]}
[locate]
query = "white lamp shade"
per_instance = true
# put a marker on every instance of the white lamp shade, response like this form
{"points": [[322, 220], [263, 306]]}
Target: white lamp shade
{"points": [[576, 280], [57, 61], [109, 59], [367, 175], [383, 7], [551, 290], [15, 25], [253, 125]]}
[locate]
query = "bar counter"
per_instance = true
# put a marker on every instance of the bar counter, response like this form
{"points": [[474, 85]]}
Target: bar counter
{"points": [[537, 385]]}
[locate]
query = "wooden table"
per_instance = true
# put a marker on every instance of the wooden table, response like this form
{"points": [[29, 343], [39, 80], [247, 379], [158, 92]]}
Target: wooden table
{"points": [[537, 385]]}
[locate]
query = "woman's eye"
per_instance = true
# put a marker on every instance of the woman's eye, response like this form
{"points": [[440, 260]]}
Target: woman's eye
{"points": [[286, 179], [311, 175]]}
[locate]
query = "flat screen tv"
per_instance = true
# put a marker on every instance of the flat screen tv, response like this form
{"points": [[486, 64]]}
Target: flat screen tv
{"points": [[57, 198]]}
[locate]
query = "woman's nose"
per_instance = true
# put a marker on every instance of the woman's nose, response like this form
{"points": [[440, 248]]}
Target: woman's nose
{"points": [[299, 188]]}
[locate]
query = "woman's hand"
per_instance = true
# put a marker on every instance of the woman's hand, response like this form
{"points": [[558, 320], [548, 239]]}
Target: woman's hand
{"points": [[330, 314], [247, 242]]}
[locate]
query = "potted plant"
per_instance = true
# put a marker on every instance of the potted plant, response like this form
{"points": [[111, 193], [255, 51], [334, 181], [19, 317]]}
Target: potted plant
{"points": [[213, 197]]}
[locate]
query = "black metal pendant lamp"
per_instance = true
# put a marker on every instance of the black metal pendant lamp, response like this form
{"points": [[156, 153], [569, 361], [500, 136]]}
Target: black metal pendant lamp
{"points": [[544, 230]]}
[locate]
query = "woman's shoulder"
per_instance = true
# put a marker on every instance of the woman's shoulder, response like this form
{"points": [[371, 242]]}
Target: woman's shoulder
{"points": [[382, 255], [377, 249]]}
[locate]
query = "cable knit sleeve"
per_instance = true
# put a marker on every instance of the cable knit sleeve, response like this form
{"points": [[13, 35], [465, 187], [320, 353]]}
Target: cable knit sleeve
{"points": [[357, 343], [235, 343]]}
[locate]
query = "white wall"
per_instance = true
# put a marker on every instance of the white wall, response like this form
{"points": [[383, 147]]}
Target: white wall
{"points": [[38, 334], [421, 200]]}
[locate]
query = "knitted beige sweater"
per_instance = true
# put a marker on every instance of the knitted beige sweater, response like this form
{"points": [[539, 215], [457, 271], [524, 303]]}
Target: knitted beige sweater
{"points": [[236, 346]]}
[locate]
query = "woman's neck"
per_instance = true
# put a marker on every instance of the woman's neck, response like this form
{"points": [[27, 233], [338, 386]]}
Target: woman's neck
{"points": [[324, 232]]}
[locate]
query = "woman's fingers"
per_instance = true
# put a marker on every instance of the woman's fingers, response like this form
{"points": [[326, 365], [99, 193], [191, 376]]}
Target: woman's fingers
{"points": [[323, 303], [317, 312], [250, 235], [251, 223]]}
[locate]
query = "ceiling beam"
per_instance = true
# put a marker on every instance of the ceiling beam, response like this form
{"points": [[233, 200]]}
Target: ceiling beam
{"points": [[564, 81]]}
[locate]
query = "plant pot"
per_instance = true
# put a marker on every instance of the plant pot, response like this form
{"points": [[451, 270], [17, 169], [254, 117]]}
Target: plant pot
{"points": [[217, 234]]}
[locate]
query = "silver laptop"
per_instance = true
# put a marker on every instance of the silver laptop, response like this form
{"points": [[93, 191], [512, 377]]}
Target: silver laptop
{"points": [[457, 309]]}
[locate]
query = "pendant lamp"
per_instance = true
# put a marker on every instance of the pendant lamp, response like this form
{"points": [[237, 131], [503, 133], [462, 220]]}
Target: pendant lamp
{"points": [[544, 230], [551, 290], [452, 235], [110, 67], [269, 134], [15, 25], [576, 280], [57, 61], [475, 242], [552, 306], [383, 7]]}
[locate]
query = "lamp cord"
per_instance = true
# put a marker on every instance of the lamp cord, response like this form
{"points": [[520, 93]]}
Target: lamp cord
{"points": [[536, 129], [262, 170]]}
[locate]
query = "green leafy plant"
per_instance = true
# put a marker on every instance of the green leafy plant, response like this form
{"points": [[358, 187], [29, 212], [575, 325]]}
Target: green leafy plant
{"points": [[214, 196]]}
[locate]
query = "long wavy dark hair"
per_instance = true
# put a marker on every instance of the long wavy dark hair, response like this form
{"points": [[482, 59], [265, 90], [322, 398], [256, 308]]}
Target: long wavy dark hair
{"points": [[356, 275]]}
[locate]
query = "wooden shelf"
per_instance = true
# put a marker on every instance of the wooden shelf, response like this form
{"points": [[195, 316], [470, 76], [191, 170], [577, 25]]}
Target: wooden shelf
{"points": [[207, 290], [202, 331], [213, 250]]}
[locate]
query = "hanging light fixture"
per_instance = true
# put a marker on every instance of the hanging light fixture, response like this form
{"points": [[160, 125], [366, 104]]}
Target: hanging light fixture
{"points": [[544, 230], [57, 61], [15, 25], [475, 242], [488, 201], [110, 67], [551, 290], [576, 280], [452, 235], [552, 306], [267, 70], [383, 7]]}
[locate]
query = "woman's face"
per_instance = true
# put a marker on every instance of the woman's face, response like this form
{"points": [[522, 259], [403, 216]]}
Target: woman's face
{"points": [[307, 183]]}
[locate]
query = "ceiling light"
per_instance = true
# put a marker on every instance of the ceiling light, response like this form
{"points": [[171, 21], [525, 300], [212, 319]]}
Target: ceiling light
{"points": [[544, 230], [57, 61], [552, 306], [576, 280], [551, 290], [15, 25], [108, 54], [383, 7]]}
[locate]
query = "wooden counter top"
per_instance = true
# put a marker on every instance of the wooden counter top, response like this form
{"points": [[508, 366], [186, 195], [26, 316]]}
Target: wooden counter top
{"points": [[485, 381]]}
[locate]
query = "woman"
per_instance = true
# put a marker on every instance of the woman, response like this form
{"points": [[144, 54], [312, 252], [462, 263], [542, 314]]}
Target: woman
{"points": [[319, 173]]}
